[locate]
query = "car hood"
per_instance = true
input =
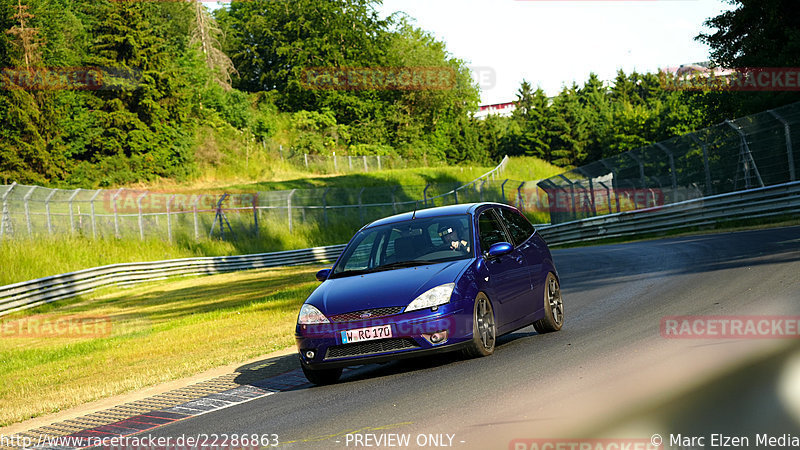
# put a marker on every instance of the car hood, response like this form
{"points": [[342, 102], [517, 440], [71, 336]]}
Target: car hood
{"points": [[382, 289]]}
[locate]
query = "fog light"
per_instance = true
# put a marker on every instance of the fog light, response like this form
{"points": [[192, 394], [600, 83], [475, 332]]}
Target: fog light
{"points": [[436, 338], [310, 354]]}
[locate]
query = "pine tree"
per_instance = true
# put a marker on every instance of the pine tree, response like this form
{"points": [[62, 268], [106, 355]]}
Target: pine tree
{"points": [[205, 33], [27, 37]]}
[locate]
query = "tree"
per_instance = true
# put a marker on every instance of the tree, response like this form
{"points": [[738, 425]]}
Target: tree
{"points": [[531, 136], [757, 33], [205, 33], [27, 37], [570, 133]]}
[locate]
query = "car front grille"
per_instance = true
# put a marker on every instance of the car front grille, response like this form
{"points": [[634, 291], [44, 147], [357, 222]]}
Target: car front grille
{"points": [[366, 314], [370, 348]]}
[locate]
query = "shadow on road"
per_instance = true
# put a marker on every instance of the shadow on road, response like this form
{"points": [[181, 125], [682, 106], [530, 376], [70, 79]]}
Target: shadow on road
{"points": [[590, 267]]}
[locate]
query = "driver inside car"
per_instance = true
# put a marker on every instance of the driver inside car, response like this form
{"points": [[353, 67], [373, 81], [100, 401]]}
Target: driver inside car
{"points": [[452, 238]]}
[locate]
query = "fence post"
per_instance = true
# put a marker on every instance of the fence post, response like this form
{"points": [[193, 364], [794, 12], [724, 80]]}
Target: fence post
{"points": [[704, 146], [255, 214], [350, 161], [289, 207], [591, 189], [503, 190], [745, 158], [141, 221], [671, 168], [366, 169], [571, 195], [614, 181], [335, 166], [194, 214], [519, 195], [27, 210], [788, 133], [394, 202], [360, 207], [643, 179], [325, 205], [47, 211], [608, 196], [71, 219], [169, 218], [425, 194], [116, 215], [94, 221], [455, 194], [6, 216], [379, 163], [305, 157], [482, 185]]}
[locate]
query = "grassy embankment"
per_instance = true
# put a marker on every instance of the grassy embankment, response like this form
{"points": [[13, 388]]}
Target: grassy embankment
{"points": [[28, 259]]}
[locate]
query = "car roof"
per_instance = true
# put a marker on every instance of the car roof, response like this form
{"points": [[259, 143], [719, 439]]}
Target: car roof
{"points": [[449, 210]]}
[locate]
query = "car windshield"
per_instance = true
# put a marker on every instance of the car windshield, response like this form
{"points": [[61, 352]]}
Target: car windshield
{"points": [[407, 244]]}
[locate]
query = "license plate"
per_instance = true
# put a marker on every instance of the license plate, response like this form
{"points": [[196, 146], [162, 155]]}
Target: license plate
{"points": [[366, 334]]}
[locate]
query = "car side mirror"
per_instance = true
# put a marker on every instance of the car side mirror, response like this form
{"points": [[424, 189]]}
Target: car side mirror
{"points": [[499, 249], [323, 274]]}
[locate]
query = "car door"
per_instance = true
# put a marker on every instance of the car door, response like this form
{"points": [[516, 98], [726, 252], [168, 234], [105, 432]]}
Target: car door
{"points": [[508, 285], [522, 234]]}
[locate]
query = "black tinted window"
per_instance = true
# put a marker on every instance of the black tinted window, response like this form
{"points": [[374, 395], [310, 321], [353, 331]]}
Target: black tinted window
{"points": [[491, 230], [517, 225]]}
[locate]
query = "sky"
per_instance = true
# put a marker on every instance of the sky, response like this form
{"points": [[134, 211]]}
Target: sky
{"points": [[552, 43]]}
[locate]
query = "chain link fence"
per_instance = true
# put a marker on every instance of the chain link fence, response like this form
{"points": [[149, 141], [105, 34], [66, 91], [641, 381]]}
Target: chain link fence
{"points": [[347, 163], [30, 211], [745, 153]]}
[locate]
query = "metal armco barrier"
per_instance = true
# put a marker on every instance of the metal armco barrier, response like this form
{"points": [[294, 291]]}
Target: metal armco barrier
{"points": [[28, 294], [782, 199]]}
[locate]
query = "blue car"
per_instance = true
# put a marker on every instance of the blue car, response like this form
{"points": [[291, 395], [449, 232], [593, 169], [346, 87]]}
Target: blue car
{"points": [[435, 280]]}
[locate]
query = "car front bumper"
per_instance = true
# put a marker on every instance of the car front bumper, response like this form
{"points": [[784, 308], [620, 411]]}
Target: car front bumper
{"points": [[410, 338]]}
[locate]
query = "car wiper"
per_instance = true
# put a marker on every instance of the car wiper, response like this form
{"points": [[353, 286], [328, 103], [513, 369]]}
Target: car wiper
{"points": [[350, 273], [401, 264]]}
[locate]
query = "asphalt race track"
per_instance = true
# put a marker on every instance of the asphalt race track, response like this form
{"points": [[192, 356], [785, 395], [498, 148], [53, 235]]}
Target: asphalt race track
{"points": [[608, 373]]}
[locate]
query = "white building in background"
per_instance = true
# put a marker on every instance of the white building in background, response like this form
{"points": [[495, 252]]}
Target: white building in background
{"points": [[499, 109]]}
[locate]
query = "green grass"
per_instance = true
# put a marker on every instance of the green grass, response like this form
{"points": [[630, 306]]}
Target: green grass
{"points": [[29, 259], [528, 168], [158, 332], [284, 176]]}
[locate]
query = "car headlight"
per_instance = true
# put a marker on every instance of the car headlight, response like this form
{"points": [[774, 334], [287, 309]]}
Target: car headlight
{"points": [[432, 297], [310, 315]]}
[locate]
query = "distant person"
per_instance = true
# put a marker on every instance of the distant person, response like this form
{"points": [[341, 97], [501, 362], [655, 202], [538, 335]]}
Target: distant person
{"points": [[451, 236]]}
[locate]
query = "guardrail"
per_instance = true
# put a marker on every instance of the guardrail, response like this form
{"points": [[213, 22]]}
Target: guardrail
{"points": [[28, 294], [754, 203], [774, 200]]}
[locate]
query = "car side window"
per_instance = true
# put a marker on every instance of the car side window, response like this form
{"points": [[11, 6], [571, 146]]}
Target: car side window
{"points": [[490, 230], [517, 225]]}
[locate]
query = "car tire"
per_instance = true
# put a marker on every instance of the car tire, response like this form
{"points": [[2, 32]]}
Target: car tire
{"points": [[484, 329], [553, 318], [321, 377]]}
